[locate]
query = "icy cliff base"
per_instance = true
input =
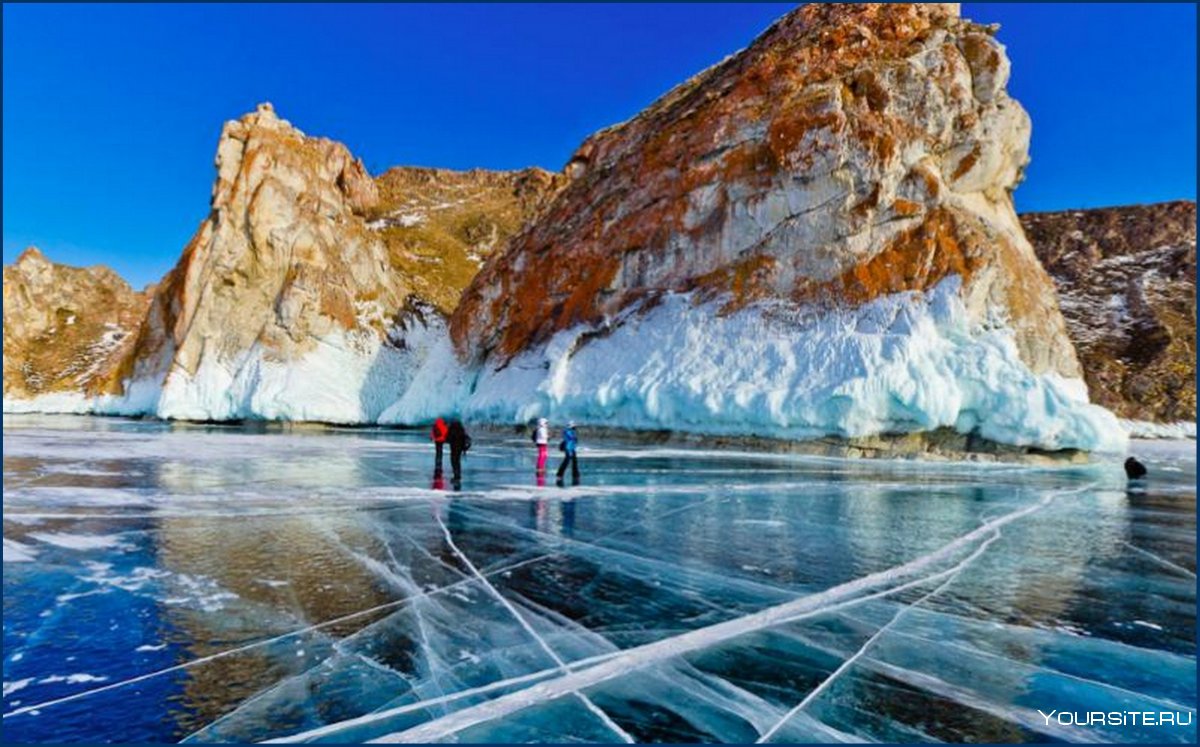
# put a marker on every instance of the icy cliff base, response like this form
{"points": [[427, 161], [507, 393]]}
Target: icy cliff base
{"points": [[346, 378], [904, 363], [907, 362]]}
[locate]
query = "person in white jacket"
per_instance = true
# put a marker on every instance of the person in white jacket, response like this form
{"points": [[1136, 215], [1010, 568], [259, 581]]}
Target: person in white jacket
{"points": [[541, 437]]}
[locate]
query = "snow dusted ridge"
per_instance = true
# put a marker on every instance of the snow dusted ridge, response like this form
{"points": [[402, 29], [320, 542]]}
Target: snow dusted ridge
{"points": [[905, 362]]}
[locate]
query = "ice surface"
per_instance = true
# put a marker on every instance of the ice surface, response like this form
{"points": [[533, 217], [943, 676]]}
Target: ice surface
{"points": [[906, 362], [217, 583], [79, 541], [16, 552]]}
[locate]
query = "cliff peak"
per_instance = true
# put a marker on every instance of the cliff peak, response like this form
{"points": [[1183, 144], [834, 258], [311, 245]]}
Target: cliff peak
{"points": [[32, 255]]}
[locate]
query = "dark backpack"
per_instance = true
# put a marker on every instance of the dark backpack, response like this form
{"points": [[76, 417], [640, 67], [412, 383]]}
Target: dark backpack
{"points": [[466, 443]]}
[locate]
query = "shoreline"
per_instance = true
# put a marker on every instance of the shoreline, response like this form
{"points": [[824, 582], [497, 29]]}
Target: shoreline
{"points": [[939, 445]]}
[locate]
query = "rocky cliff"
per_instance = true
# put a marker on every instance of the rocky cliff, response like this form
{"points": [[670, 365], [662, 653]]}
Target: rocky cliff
{"points": [[310, 292], [814, 236], [283, 303], [1126, 279], [65, 328]]}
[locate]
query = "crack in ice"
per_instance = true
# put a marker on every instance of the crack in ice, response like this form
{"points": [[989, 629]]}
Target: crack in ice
{"points": [[578, 664], [1160, 560], [642, 656], [327, 623], [587, 702], [816, 692]]}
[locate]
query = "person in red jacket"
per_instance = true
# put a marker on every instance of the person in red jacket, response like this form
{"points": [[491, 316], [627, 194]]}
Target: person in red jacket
{"points": [[438, 433]]}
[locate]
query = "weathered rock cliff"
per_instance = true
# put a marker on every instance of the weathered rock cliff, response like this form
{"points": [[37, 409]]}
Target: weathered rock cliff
{"points": [[1126, 279], [834, 204], [310, 292], [282, 303], [65, 328], [814, 237], [852, 151]]}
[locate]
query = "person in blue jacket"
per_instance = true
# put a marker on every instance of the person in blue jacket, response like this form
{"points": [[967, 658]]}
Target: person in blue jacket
{"points": [[568, 446]]}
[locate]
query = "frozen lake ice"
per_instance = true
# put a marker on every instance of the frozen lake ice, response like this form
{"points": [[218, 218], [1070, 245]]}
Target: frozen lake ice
{"points": [[168, 582]]}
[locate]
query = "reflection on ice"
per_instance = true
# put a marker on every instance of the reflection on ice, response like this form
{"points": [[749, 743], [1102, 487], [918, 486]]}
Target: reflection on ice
{"points": [[167, 581]]}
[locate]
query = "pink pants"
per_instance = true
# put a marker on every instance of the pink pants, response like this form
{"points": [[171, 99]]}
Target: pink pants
{"points": [[541, 458]]}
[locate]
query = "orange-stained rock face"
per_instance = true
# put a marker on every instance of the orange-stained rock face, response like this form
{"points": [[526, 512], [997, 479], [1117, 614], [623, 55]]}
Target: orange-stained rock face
{"points": [[852, 150]]}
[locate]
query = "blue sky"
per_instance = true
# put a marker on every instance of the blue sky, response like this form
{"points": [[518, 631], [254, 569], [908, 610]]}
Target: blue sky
{"points": [[111, 113]]}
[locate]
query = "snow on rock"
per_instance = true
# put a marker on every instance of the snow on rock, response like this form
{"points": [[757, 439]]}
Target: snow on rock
{"points": [[283, 305], [289, 302], [904, 362], [1170, 431], [851, 151], [65, 328], [370, 374], [397, 218], [344, 379], [81, 541], [280, 306], [814, 236], [1126, 280]]}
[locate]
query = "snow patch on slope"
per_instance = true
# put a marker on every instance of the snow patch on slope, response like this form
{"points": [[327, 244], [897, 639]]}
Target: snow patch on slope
{"points": [[906, 362], [81, 541]]}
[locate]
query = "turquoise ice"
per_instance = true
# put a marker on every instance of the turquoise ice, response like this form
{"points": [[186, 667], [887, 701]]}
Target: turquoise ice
{"points": [[211, 583]]}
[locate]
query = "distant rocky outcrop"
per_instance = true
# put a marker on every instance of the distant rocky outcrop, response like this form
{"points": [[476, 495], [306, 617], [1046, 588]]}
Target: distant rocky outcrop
{"points": [[65, 328], [1126, 279], [814, 236], [440, 225]]}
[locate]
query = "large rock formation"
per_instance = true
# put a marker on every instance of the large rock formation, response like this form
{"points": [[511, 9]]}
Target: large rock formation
{"points": [[283, 302], [65, 329], [1126, 280], [310, 292], [814, 236]]}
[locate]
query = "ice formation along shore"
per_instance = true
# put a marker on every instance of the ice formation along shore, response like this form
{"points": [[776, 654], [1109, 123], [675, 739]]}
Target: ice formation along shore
{"points": [[905, 362]]}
